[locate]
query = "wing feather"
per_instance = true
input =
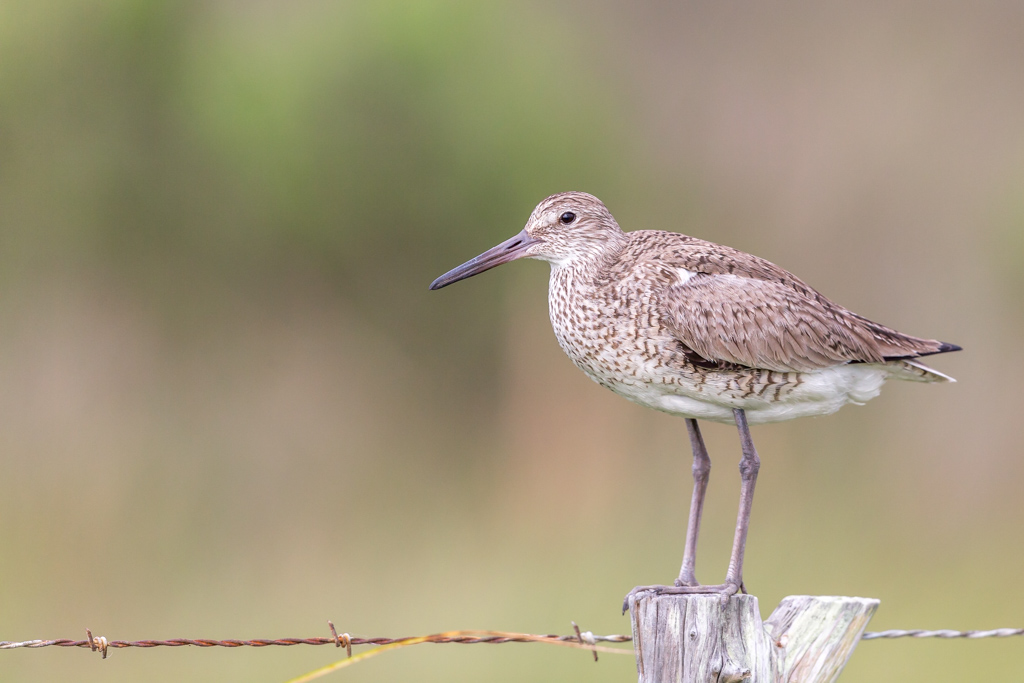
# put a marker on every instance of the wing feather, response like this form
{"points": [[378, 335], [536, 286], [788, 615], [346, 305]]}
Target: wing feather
{"points": [[761, 324], [738, 308]]}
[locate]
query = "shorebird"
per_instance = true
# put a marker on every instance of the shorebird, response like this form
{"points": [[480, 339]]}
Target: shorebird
{"points": [[703, 331]]}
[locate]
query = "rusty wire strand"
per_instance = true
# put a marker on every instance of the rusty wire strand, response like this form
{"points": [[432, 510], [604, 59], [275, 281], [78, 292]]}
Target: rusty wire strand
{"points": [[101, 644], [95, 643]]}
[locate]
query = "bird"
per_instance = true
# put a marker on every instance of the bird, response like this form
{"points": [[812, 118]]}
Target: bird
{"points": [[705, 332]]}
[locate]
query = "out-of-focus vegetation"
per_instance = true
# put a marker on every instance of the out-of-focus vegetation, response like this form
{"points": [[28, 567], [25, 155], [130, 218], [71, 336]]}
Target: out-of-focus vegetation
{"points": [[229, 407]]}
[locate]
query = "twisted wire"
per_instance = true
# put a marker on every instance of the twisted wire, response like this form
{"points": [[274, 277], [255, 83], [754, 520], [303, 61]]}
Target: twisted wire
{"points": [[586, 637], [943, 633], [344, 640]]}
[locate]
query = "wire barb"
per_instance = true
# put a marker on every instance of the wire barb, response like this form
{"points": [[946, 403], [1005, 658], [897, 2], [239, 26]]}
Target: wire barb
{"points": [[585, 638], [344, 640], [95, 644]]}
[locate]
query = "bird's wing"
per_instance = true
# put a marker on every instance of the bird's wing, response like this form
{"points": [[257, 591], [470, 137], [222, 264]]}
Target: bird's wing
{"points": [[728, 306], [760, 324]]}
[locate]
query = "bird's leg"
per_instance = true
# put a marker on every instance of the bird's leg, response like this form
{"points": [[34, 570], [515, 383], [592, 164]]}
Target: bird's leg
{"points": [[687, 584], [701, 473], [749, 466]]}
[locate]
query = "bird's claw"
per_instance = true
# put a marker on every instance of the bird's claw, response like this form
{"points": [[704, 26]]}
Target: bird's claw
{"points": [[724, 590], [729, 590], [641, 591]]}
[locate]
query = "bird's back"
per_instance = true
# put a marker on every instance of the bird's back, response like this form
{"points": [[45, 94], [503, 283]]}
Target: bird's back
{"points": [[670, 315]]}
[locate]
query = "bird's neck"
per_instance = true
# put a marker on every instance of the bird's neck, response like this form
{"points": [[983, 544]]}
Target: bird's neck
{"points": [[588, 265], [594, 254]]}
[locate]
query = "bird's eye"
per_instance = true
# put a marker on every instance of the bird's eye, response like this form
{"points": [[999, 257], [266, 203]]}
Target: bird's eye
{"points": [[567, 217]]}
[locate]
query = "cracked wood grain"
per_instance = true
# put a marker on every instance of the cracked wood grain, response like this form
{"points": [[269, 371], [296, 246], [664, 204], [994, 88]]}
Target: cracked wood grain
{"points": [[700, 639]]}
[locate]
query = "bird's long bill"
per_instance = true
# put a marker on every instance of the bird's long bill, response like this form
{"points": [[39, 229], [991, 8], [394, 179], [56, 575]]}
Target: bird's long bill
{"points": [[509, 250]]}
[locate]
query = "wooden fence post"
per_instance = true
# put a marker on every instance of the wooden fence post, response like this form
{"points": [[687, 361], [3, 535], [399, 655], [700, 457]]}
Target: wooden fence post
{"points": [[698, 639]]}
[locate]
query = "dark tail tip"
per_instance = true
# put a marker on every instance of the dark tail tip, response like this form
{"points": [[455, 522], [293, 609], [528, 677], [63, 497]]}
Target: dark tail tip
{"points": [[944, 347]]}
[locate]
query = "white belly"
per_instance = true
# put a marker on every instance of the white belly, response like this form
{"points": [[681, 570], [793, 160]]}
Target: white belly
{"points": [[821, 392]]}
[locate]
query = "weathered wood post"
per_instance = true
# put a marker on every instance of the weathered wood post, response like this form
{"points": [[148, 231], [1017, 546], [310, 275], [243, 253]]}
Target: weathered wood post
{"points": [[700, 639]]}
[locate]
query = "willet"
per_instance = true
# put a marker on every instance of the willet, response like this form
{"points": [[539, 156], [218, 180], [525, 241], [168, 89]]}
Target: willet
{"points": [[703, 331]]}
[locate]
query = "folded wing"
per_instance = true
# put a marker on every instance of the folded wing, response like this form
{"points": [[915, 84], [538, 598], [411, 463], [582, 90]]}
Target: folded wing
{"points": [[771, 320]]}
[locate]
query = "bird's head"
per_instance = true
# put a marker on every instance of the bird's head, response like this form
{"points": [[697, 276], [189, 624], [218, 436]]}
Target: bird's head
{"points": [[564, 228]]}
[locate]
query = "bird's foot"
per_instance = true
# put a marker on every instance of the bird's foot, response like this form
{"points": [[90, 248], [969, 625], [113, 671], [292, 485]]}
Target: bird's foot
{"points": [[724, 590], [687, 581]]}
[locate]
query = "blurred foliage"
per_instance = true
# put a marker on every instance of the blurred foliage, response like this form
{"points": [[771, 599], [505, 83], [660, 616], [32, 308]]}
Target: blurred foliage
{"points": [[355, 146]]}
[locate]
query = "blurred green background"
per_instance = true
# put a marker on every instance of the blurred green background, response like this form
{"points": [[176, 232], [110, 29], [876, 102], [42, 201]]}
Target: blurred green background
{"points": [[230, 408]]}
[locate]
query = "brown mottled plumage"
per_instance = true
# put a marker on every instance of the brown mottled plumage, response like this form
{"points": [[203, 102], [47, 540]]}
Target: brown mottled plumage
{"points": [[703, 331]]}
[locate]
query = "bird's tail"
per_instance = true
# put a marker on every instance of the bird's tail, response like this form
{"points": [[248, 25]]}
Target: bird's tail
{"points": [[913, 371]]}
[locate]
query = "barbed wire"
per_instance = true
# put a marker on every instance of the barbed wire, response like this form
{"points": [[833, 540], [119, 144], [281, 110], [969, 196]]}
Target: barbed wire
{"points": [[101, 644], [584, 639]]}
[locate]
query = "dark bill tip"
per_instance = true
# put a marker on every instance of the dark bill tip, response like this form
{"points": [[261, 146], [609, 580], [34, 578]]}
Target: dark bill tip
{"points": [[438, 283], [509, 250]]}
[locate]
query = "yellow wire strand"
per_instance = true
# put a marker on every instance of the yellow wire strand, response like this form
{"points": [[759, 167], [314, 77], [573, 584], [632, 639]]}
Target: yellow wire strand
{"points": [[341, 664]]}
